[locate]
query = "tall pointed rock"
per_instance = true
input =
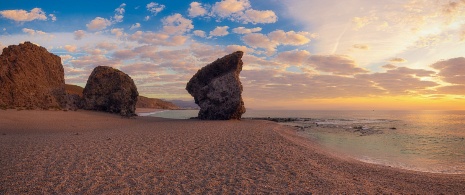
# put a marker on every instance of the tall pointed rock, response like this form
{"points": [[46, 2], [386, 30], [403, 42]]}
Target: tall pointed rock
{"points": [[217, 89]]}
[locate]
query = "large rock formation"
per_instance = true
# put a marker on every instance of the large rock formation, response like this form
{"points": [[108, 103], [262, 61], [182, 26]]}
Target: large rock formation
{"points": [[217, 89], [110, 90], [31, 77]]}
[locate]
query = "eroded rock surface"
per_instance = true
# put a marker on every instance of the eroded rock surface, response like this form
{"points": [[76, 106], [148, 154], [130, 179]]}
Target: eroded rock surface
{"points": [[217, 89], [110, 90], [31, 77]]}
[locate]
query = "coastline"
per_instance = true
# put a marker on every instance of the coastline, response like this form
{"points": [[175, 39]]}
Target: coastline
{"points": [[148, 111], [93, 152]]}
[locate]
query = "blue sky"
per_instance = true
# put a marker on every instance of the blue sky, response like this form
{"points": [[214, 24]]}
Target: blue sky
{"points": [[303, 54]]}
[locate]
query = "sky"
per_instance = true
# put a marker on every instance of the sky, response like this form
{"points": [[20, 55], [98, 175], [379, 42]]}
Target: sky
{"points": [[299, 54]]}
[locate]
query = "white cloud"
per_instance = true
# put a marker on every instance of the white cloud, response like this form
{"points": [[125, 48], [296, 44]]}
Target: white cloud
{"points": [[70, 48], [79, 34], [53, 17], [241, 11], [176, 24], [119, 13], [256, 16], [118, 32], [98, 24], [107, 46], [157, 38], [219, 31], [291, 37], [146, 18], [124, 54], [200, 33], [258, 40], [155, 8], [226, 8], [65, 58], [295, 57], [23, 15], [33, 32], [196, 9], [336, 64], [278, 37], [243, 30], [134, 26]]}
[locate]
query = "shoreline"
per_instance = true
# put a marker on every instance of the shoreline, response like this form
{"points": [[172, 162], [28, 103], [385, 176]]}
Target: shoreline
{"points": [[93, 152], [148, 111]]}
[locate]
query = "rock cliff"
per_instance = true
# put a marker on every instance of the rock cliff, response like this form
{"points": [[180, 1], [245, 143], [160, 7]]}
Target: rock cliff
{"points": [[217, 89], [145, 102], [110, 90], [31, 77]]}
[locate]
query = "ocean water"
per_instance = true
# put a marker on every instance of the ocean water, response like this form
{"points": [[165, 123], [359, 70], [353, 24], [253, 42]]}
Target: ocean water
{"points": [[427, 141]]}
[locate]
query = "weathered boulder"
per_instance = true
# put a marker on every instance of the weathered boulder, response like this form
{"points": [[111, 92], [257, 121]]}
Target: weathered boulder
{"points": [[31, 77], [110, 90], [216, 88]]}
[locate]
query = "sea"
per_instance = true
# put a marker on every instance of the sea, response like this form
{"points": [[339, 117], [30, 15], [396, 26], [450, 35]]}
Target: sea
{"points": [[426, 141]]}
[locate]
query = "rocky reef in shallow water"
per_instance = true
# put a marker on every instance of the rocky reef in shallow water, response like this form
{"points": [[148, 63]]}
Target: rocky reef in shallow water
{"points": [[110, 90], [217, 90]]}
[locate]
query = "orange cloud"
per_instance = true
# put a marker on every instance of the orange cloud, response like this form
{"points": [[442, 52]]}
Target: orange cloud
{"points": [[196, 9], [98, 24], [24, 16]]}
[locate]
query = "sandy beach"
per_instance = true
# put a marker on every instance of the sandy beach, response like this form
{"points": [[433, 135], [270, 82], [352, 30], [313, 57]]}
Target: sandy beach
{"points": [[84, 152]]}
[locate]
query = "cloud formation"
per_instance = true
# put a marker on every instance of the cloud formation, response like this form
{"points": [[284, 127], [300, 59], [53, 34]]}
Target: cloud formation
{"points": [[135, 26], [176, 24], [70, 48], [33, 32], [256, 16], [196, 9], [118, 17], [200, 33], [336, 64], [227, 8], [20, 15], [219, 31], [243, 30], [79, 34], [155, 8], [295, 57], [242, 11], [397, 60], [401, 81], [98, 23], [452, 70], [278, 37], [361, 46]]}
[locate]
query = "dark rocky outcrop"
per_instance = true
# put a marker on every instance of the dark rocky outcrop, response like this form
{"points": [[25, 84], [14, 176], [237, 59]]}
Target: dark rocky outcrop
{"points": [[74, 89], [31, 77], [110, 90], [145, 102], [217, 89]]}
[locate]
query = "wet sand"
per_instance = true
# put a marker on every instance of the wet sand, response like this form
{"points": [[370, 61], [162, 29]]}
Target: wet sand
{"points": [[91, 152]]}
